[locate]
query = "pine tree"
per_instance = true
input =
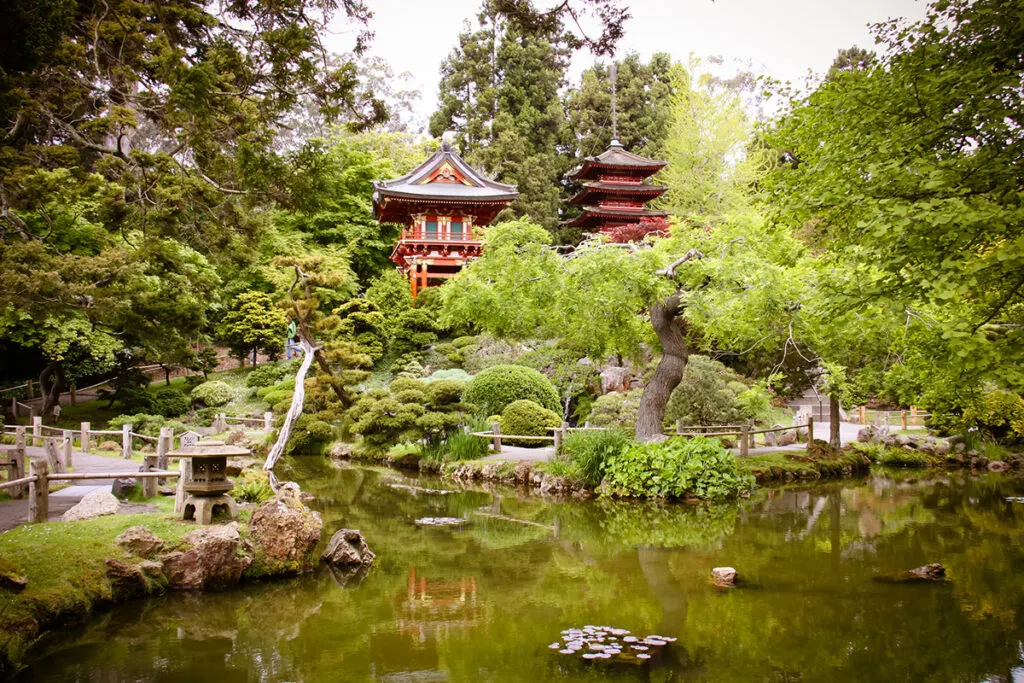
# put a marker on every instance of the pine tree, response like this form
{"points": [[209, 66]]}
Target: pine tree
{"points": [[499, 93]]}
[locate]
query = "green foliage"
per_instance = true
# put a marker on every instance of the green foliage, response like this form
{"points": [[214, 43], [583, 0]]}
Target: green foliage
{"points": [[254, 323], [881, 454], [363, 323], [409, 410], [616, 409], [310, 435], [461, 446], [390, 293], [252, 486], [711, 393], [999, 414], [269, 373], [590, 451], [445, 392], [527, 418], [492, 389], [454, 374], [499, 91], [213, 394], [676, 468], [169, 402], [414, 329], [143, 423]]}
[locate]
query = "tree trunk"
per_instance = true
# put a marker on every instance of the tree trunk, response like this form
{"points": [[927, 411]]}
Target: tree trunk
{"points": [[294, 411], [669, 328], [833, 422], [51, 382]]}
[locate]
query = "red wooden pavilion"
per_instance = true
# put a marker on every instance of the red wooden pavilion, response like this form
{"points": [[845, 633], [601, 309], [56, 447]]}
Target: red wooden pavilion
{"points": [[439, 203], [615, 191]]}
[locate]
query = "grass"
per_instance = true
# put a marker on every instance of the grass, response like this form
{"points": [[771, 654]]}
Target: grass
{"points": [[64, 563]]}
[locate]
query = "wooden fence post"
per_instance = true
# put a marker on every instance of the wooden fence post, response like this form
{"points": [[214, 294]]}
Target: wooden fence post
{"points": [[83, 439], [903, 419], [31, 392], [185, 467], [126, 442], [810, 429], [16, 470], [164, 445], [268, 421], [863, 415], [52, 456], [220, 423], [744, 441], [913, 415], [69, 447], [14, 408], [39, 492], [149, 483], [74, 395], [496, 429], [37, 425]]}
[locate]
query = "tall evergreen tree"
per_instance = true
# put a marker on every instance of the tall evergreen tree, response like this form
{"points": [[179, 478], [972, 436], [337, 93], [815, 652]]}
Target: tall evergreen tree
{"points": [[500, 94]]}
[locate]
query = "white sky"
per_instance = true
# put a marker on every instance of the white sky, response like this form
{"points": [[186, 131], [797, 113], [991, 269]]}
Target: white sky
{"points": [[782, 38]]}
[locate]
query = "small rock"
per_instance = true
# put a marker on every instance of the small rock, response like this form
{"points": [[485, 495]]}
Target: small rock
{"points": [[998, 466], [236, 466], [12, 577], [440, 521], [166, 490], [724, 577], [126, 579], [140, 541], [95, 504], [151, 568], [122, 486], [341, 450], [347, 547], [929, 572]]}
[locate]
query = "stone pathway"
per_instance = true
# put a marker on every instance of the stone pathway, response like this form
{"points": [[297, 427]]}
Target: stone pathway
{"points": [[15, 512], [519, 454]]}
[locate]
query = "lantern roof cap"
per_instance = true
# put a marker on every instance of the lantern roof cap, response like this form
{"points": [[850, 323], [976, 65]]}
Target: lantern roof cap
{"points": [[209, 448]]}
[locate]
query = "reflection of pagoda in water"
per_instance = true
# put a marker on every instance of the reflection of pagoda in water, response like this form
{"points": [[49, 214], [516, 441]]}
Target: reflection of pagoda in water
{"points": [[432, 608]]}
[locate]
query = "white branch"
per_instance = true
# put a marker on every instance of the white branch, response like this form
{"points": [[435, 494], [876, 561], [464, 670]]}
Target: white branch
{"points": [[670, 269], [298, 397]]}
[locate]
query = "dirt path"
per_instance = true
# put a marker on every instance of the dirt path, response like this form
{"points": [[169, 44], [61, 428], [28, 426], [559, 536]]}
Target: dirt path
{"points": [[15, 512]]}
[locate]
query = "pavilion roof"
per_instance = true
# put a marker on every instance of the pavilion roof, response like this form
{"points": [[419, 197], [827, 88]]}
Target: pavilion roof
{"points": [[617, 158], [594, 215], [444, 178], [596, 188]]}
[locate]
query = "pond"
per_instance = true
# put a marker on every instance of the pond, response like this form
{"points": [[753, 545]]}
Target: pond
{"points": [[483, 602]]}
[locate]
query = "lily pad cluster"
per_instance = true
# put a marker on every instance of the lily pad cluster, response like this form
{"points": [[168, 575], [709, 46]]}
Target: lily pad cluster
{"points": [[606, 643]]}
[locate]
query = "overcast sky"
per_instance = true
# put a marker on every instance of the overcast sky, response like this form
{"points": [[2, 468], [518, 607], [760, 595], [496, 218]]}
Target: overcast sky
{"points": [[781, 38]]}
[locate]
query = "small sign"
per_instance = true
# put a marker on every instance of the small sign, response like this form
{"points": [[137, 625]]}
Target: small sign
{"points": [[189, 440]]}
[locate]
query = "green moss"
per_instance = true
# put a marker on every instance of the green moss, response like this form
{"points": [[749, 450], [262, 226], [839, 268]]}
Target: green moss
{"points": [[787, 466]]}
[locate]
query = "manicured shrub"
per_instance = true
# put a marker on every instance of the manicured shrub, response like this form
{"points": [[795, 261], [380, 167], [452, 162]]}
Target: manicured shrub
{"points": [[268, 374], [405, 383], [711, 393], [590, 451], [616, 409], [143, 423], [169, 402], [213, 394], [528, 418], [444, 392], [491, 390], [676, 468], [309, 436], [456, 374]]}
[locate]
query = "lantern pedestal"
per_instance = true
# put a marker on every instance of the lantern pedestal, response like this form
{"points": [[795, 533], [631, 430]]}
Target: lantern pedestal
{"points": [[201, 508]]}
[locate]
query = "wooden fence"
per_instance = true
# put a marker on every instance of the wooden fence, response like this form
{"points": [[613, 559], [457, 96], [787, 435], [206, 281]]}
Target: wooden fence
{"points": [[746, 434], [890, 418]]}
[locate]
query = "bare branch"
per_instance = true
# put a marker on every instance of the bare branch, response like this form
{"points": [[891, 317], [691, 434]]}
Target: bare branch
{"points": [[670, 269]]}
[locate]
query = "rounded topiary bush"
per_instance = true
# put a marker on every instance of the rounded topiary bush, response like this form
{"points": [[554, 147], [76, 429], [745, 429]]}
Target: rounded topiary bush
{"points": [[169, 402], [528, 418], [491, 390], [213, 394]]}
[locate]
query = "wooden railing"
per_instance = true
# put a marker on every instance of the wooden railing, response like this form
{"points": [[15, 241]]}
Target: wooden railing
{"points": [[746, 434]]}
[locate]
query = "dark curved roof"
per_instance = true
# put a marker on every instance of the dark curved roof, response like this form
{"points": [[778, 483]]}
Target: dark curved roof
{"points": [[617, 157], [413, 186]]}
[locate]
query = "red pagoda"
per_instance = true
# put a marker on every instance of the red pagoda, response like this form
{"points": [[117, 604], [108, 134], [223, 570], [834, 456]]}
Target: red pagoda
{"points": [[615, 190], [439, 203]]}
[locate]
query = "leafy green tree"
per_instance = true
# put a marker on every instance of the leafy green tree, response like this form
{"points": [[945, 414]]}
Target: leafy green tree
{"points": [[906, 177], [362, 322], [500, 94], [725, 285], [390, 293], [254, 324]]}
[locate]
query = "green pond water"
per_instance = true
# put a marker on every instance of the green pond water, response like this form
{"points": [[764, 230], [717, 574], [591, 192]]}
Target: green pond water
{"points": [[483, 603]]}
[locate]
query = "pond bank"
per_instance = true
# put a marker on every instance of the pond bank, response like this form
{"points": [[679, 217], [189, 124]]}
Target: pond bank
{"points": [[58, 573]]}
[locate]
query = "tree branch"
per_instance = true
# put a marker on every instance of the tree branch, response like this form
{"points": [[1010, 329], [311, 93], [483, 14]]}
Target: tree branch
{"points": [[670, 269]]}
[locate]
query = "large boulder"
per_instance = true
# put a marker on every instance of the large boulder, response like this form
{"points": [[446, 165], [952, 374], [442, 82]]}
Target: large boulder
{"points": [[122, 486], [211, 560], [615, 378], [348, 548], [95, 504], [285, 532], [140, 541], [868, 434], [126, 579]]}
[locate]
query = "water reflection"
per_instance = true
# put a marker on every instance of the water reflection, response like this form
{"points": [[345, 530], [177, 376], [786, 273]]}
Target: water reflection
{"points": [[483, 603]]}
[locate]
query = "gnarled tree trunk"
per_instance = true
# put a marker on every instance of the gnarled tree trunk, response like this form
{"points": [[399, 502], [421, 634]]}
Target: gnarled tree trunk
{"points": [[669, 328], [51, 383]]}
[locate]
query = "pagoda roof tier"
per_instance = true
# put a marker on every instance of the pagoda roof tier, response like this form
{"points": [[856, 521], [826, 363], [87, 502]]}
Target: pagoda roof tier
{"points": [[595, 215], [616, 159], [443, 182], [597, 189]]}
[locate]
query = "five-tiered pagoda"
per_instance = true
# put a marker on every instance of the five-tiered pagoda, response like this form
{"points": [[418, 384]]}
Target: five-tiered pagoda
{"points": [[615, 190], [439, 203]]}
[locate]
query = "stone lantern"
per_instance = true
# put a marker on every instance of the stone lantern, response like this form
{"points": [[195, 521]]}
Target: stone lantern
{"points": [[204, 485]]}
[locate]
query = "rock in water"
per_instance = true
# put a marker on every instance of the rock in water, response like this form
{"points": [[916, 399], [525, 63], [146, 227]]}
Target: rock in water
{"points": [[95, 504], [126, 579], [998, 466], [286, 531], [724, 577], [211, 562], [347, 548], [440, 521], [929, 572], [140, 541]]}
